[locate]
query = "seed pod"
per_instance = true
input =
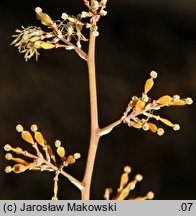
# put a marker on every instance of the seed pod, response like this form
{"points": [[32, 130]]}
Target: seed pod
{"points": [[39, 138], [123, 181], [167, 122], [61, 151], [107, 193], [136, 124], [140, 105], [148, 85], [164, 100], [46, 45], [27, 137], [70, 159], [50, 152], [179, 103], [123, 195], [33, 39], [152, 127], [79, 27], [18, 168], [20, 161], [43, 17]]}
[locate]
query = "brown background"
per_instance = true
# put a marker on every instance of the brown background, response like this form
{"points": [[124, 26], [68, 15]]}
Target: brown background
{"points": [[135, 38]]}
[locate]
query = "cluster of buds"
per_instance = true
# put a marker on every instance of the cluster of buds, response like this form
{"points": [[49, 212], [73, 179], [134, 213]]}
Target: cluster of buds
{"points": [[29, 40], [139, 111], [96, 10], [44, 159], [66, 33], [126, 186]]}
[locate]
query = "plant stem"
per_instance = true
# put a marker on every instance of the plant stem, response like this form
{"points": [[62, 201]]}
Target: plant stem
{"points": [[94, 138], [73, 180], [109, 128]]}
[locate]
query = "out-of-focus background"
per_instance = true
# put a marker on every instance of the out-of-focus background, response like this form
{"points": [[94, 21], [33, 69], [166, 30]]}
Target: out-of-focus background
{"points": [[135, 38]]}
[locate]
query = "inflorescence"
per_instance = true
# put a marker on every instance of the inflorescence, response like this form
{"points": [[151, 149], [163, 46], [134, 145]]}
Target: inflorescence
{"points": [[66, 33], [126, 186], [140, 110], [44, 159]]}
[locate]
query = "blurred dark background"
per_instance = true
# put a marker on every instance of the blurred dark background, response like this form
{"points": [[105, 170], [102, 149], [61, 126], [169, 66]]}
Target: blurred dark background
{"points": [[135, 38]]}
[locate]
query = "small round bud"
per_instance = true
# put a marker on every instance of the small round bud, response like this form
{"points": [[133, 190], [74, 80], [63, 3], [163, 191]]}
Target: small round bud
{"points": [[104, 2], [19, 128], [77, 155], [38, 10], [96, 33], [176, 127], [7, 147], [145, 98], [176, 98], [8, 169], [8, 156], [189, 101], [34, 127], [95, 5], [103, 12], [160, 131], [127, 169], [138, 177], [153, 74], [150, 195], [134, 98], [64, 16], [146, 126], [85, 14], [57, 143]]}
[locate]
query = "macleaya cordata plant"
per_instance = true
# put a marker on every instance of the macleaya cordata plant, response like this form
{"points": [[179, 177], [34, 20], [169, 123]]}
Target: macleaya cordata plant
{"points": [[70, 33]]}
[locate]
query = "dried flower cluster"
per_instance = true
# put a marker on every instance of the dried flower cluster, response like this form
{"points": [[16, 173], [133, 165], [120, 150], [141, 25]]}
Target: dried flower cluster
{"points": [[66, 33], [144, 106], [43, 160], [126, 186]]}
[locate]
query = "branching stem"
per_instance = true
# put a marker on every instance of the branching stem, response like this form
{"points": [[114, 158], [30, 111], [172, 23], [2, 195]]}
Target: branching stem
{"points": [[94, 138]]}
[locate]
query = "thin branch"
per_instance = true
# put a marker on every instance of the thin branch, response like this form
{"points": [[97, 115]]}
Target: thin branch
{"points": [[109, 128], [58, 33], [73, 180]]}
